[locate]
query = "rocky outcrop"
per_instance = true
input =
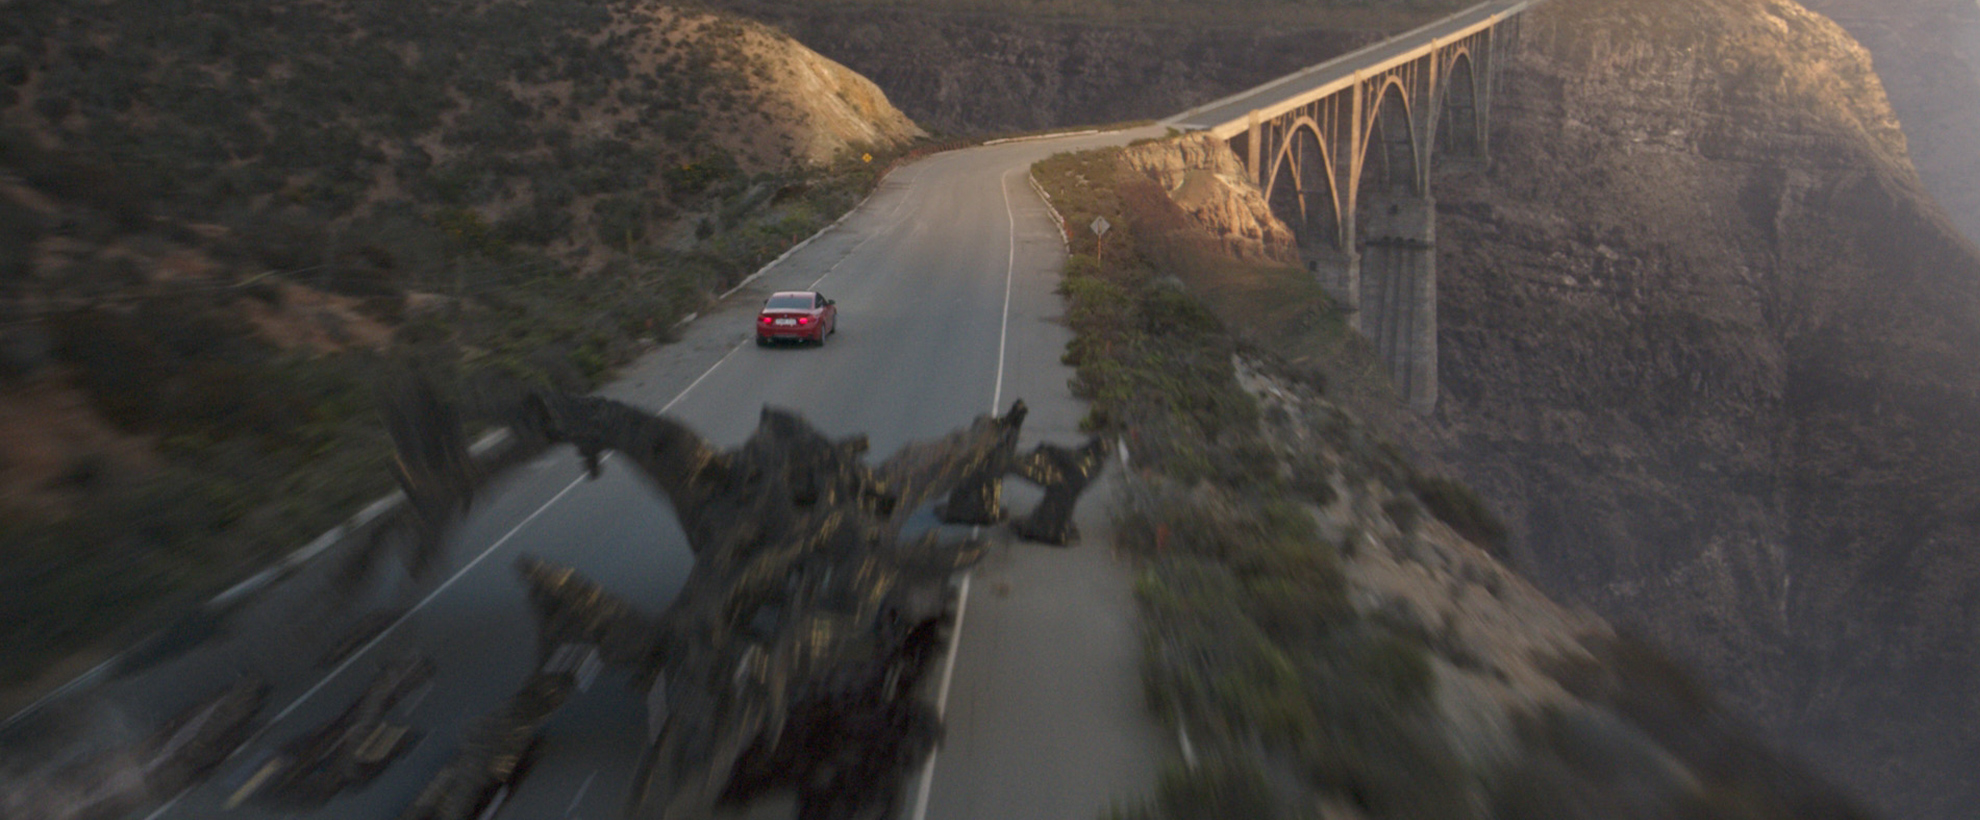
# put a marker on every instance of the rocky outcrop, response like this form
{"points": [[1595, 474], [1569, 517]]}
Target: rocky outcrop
{"points": [[798, 101], [1209, 183], [1710, 347]]}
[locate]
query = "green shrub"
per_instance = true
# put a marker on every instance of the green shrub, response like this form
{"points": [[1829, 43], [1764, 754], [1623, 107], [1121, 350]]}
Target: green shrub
{"points": [[619, 221], [1252, 644], [1457, 506], [693, 178], [1402, 511], [1217, 790], [541, 223]]}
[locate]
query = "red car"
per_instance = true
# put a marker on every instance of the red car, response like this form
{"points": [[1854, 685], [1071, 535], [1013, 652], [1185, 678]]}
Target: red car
{"points": [[796, 315]]}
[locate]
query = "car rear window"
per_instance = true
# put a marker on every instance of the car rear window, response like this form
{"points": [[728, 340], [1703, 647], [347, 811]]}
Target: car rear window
{"points": [[789, 303]]}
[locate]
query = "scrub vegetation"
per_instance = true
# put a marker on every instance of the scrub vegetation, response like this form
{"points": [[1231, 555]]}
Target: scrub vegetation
{"points": [[1318, 633], [1253, 651], [218, 217]]}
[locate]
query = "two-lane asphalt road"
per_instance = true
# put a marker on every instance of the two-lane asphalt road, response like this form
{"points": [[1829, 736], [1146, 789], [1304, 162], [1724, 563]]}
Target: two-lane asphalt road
{"points": [[944, 281]]}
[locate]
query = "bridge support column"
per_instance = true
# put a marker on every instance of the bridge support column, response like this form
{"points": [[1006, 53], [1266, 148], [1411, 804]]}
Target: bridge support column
{"points": [[1399, 292], [1339, 274]]}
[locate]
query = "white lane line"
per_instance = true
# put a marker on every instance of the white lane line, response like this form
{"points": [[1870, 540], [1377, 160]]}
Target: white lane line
{"points": [[698, 379], [842, 260], [1010, 272], [962, 605], [895, 223], [942, 700], [572, 808], [84, 679]]}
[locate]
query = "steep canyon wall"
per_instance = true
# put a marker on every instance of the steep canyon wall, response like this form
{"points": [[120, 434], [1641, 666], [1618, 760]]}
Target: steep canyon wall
{"points": [[1928, 54], [1712, 348]]}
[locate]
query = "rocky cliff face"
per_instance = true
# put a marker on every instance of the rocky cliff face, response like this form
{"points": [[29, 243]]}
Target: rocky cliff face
{"points": [[813, 109], [983, 73], [1209, 183], [1711, 348], [1928, 55]]}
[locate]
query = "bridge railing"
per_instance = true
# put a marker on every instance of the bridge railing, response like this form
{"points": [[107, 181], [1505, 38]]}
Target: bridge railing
{"points": [[1229, 116]]}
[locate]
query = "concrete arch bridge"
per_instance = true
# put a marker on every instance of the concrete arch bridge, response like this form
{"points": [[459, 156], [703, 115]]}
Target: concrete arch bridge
{"points": [[1343, 151]]}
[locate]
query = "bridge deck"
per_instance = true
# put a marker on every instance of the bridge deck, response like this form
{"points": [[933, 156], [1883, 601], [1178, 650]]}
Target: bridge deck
{"points": [[1230, 116]]}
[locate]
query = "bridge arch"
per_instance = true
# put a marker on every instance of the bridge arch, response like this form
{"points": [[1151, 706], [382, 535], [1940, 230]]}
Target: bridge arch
{"points": [[1355, 139], [1301, 182], [1388, 144], [1458, 129]]}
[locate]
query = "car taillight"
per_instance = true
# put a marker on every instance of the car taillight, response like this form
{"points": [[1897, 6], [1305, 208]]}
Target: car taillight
{"points": [[804, 320], [763, 319]]}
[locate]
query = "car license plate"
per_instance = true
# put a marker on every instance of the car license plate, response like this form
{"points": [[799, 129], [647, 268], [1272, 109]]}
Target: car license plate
{"points": [[787, 321]]}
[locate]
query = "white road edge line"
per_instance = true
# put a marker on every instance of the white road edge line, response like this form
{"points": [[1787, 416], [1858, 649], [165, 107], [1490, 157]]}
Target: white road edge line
{"points": [[877, 184], [1034, 137], [698, 379], [572, 808], [942, 700], [797, 247], [949, 665], [962, 604], [169, 804], [1010, 273], [444, 586]]}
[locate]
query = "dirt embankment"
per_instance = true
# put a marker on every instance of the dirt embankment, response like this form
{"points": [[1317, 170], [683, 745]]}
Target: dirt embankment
{"points": [[1715, 353]]}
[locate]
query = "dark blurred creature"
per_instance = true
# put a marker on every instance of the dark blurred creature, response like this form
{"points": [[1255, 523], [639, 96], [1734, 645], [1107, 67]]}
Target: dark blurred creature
{"points": [[980, 497], [496, 750], [792, 657], [1064, 473], [347, 752], [119, 781]]}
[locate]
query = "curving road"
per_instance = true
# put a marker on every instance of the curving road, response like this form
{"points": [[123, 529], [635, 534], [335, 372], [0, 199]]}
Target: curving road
{"points": [[944, 280]]}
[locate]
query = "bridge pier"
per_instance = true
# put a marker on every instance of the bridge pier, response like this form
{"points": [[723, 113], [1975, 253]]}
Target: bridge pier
{"points": [[1399, 293], [1339, 274], [1343, 151]]}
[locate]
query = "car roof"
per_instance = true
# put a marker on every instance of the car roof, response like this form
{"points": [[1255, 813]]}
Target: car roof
{"points": [[793, 293]]}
